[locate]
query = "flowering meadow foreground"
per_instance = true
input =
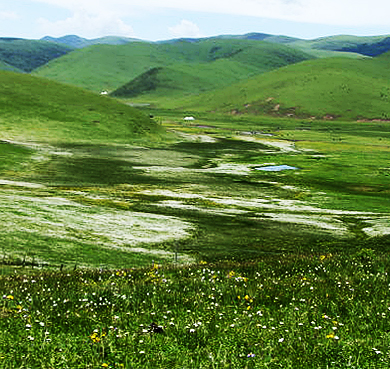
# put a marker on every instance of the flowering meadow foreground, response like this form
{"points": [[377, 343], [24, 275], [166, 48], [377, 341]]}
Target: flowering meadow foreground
{"points": [[318, 311]]}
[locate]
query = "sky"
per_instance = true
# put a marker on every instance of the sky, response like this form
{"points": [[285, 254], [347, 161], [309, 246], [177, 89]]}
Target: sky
{"points": [[156, 20]]}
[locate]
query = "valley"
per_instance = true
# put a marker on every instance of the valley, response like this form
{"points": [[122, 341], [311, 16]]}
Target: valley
{"points": [[224, 205]]}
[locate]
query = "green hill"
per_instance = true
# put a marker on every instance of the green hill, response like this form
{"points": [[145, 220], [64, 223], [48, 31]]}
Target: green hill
{"points": [[27, 55], [324, 47], [333, 88], [77, 42], [107, 67], [368, 45], [6, 66], [42, 110]]}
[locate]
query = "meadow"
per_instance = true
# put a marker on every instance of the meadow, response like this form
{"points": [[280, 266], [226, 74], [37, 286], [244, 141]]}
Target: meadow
{"points": [[117, 253]]}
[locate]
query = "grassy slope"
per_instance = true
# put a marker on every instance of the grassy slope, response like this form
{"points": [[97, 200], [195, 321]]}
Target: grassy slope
{"points": [[29, 54], [6, 66], [109, 67], [345, 88], [39, 109]]}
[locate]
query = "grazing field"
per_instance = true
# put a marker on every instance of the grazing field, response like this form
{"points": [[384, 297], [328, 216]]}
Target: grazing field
{"points": [[184, 255], [332, 88], [108, 67]]}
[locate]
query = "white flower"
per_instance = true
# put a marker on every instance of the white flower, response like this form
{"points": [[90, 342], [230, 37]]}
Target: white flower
{"points": [[281, 339]]}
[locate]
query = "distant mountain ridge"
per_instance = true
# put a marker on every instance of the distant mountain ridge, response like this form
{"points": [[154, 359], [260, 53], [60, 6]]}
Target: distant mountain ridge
{"points": [[28, 55], [80, 42]]}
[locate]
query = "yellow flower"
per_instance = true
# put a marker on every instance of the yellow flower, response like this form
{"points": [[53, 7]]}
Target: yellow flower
{"points": [[10, 297], [322, 257], [247, 298], [94, 337], [104, 365], [330, 335]]}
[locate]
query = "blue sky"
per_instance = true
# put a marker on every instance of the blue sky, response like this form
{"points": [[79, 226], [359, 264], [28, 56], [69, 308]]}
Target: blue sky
{"points": [[165, 19]]}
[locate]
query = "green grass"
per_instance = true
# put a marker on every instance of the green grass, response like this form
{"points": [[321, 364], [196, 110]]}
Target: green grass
{"points": [[35, 109], [335, 88], [303, 311], [114, 66], [256, 269]]}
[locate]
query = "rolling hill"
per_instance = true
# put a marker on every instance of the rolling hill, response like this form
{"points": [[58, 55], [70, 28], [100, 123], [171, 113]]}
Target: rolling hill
{"points": [[77, 42], [107, 67], [334, 88], [36, 109], [324, 47], [27, 55]]}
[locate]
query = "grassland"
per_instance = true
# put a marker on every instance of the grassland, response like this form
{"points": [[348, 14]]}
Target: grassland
{"points": [[274, 269], [108, 67], [334, 88], [131, 242], [34, 109]]}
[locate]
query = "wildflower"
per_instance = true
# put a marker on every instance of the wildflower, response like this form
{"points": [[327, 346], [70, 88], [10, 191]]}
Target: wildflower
{"points": [[322, 257], [104, 365], [94, 337], [330, 335], [250, 355], [9, 297], [281, 340]]}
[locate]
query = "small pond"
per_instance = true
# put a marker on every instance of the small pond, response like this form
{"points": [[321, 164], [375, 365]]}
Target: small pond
{"points": [[276, 168]]}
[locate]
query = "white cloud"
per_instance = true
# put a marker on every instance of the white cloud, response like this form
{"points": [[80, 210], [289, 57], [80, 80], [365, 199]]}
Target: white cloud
{"points": [[185, 29], [8, 16], [87, 25], [331, 12]]}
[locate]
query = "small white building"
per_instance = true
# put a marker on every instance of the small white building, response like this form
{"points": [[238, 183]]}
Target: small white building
{"points": [[188, 118]]}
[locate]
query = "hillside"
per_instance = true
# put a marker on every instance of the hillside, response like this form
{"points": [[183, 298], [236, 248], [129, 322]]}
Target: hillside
{"points": [[324, 47], [333, 88], [77, 42], [107, 67], [27, 55], [41, 110], [6, 66], [226, 63]]}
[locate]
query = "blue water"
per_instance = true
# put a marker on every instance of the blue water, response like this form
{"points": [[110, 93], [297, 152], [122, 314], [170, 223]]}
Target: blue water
{"points": [[276, 168]]}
